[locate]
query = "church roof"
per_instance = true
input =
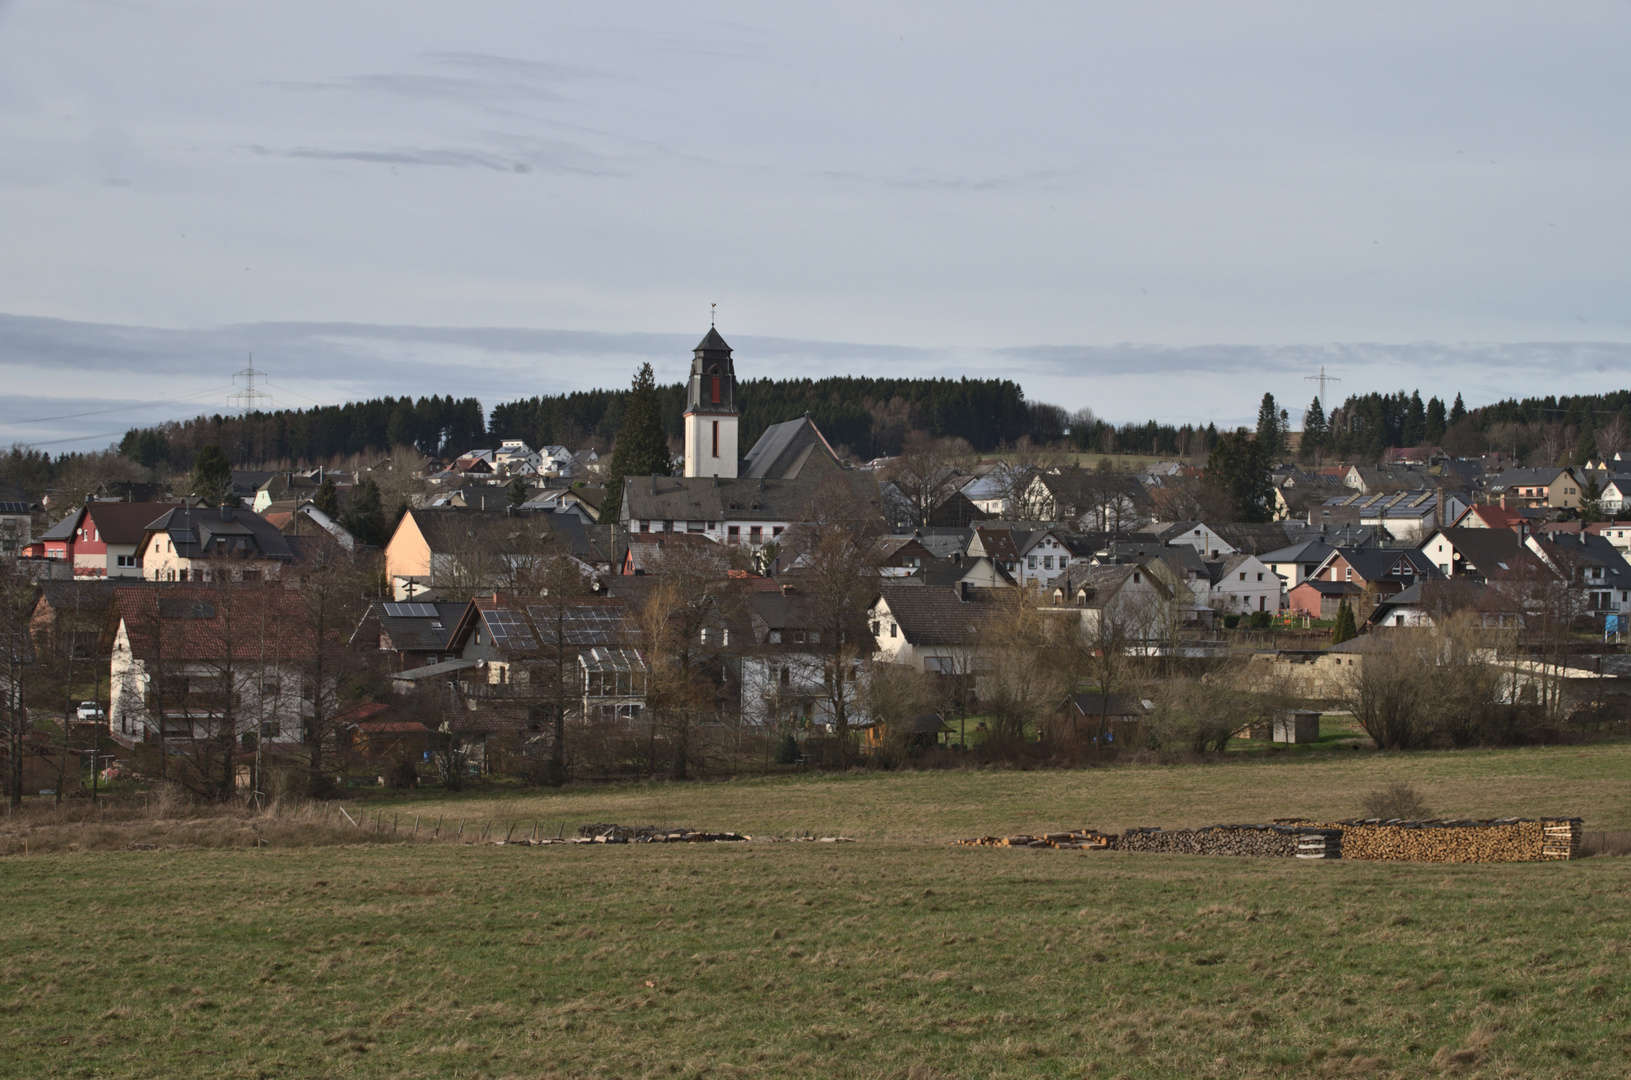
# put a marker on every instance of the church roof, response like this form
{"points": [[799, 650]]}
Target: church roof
{"points": [[712, 342], [783, 449]]}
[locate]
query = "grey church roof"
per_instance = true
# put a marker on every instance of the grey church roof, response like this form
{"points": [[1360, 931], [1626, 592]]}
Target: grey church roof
{"points": [[707, 498], [786, 449]]}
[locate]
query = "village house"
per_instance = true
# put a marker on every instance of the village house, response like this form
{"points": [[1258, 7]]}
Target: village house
{"points": [[1554, 487], [1196, 534], [419, 633], [103, 539], [1319, 599], [1593, 568], [1244, 583], [16, 519], [932, 628], [193, 663], [202, 543], [1477, 554]]}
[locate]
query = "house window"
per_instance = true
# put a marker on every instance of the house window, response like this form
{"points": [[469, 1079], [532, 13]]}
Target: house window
{"points": [[1243, 575], [1259, 577], [756, 534], [775, 530], [668, 527], [1030, 562], [798, 637], [891, 629], [1047, 562], [1350, 573], [775, 637], [271, 729], [815, 637], [733, 532], [693, 526], [704, 635], [716, 431], [1137, 577]]}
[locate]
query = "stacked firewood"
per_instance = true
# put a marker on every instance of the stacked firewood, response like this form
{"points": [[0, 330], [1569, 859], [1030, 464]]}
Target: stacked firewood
{"points": [[1075, 840], [652, 834], [1497, 840], [1264, 841]]}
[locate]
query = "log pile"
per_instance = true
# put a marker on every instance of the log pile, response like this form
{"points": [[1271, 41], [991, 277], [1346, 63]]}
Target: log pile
{"points": [[652, 834], [1075, 840], [1479, 841], [1263, 841]]}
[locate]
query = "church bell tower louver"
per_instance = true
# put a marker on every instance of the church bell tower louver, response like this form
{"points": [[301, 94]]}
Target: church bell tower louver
{"points": [[711, 416]]}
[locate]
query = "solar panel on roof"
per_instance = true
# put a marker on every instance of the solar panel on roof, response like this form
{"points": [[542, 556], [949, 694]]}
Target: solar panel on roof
{"points": [[509, 629], [585, 625], [411, 611]]}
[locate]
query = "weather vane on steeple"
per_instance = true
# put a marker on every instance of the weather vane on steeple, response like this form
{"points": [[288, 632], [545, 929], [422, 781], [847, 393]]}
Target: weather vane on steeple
{"points": [[712, 309]]}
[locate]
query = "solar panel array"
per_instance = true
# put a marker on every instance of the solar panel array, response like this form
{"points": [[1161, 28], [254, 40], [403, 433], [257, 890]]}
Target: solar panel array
{"points": [[509, 629], [411, 611], [585, 625]]}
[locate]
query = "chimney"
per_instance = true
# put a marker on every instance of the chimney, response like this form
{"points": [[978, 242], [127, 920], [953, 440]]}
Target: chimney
{"points": [[789, 590], [962, 590]]}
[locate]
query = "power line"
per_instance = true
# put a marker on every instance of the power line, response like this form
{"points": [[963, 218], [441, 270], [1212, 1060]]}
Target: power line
{"points": [[121, 408]]}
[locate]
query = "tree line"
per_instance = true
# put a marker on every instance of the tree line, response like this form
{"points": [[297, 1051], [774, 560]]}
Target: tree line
{"points": [[866, 416]]}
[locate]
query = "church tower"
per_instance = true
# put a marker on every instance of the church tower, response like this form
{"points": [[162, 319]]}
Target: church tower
{"points": [[710, 410]]}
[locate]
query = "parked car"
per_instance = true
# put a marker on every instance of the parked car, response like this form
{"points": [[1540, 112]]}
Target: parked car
{"points": [[90, 710]]}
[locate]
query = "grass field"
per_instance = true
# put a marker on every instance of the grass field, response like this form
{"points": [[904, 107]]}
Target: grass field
{"points": [[1593, 782], [899, 956]]}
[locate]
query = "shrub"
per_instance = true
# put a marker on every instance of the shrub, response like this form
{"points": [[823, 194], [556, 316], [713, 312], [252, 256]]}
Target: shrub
{"points": [[1231, 621], [787, 753], [1399, 801], [402, 775], [1262, 620]]}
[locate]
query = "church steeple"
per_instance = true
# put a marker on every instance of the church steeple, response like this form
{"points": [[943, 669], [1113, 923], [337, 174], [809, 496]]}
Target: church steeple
{"points": [[710, 410], [713, 377]]}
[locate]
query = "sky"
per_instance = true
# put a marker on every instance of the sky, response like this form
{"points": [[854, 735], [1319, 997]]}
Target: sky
{"points": [[1150, 210]]}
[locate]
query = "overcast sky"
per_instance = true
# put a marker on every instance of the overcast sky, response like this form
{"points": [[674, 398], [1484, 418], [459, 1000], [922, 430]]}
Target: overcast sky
{"points": [[1150, 209]]}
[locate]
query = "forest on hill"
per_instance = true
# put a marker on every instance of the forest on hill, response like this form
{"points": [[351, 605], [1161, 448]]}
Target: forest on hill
{"points": [[867, 418]]}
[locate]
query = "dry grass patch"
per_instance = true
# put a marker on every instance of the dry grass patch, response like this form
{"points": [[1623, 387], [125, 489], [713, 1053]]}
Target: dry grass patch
{"points": [[867, 960]]}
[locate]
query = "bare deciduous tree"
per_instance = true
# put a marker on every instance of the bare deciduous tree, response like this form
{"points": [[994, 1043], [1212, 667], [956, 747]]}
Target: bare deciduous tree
{"points": [[925, 473]]}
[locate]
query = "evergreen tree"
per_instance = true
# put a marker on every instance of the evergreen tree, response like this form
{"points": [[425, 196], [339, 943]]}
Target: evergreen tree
{"points": [[518, 491], [1345, 628], [327, 498], [364, 518], [1458, 412], [1239, 470], [211, 479], [1269, 428], [1316, 433], [642, 448], [1436, 423], [1413, 432]]}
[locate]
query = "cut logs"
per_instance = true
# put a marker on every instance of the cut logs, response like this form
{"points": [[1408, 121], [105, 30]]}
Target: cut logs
{"points": [[1475, 841], [1497, 840], [1075, 840], [1263, 841]]}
